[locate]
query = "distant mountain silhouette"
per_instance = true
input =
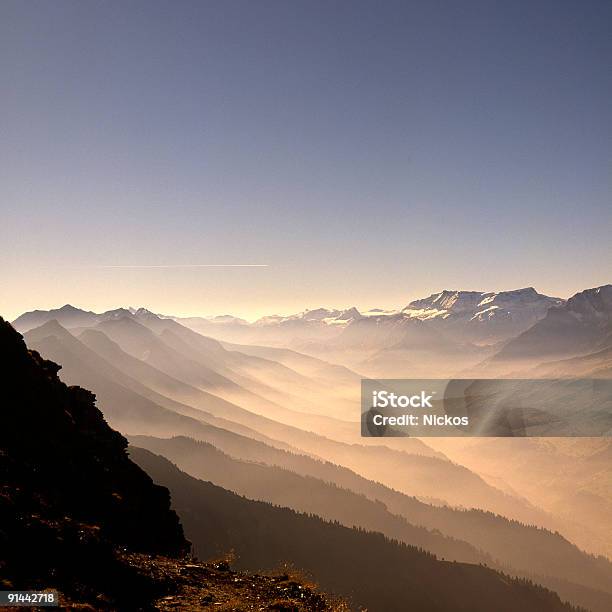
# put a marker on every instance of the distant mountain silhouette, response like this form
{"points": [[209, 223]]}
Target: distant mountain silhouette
{"points": [[448, 321], [476, 316], [392, 331], [67, 315], [302, 493], [142, 413], [239, 377], [464, 316], [518, 549], [592, 365], [581, 326], [317, 369], [141, 342], [365, 567], [170, 387], [195, 359], [576, 472]]}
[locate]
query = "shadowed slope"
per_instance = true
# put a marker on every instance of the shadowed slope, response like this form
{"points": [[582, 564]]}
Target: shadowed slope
{"points": [[519, 549], [366, 567], [414, 474], [70, 495], [302, 493]]}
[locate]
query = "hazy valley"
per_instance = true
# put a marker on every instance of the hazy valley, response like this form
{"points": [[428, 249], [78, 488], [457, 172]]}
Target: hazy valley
{"points": [[270, 411]]}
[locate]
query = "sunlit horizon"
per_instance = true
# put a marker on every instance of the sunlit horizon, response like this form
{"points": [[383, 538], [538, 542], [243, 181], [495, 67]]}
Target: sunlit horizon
{"points": [[250, 316]]}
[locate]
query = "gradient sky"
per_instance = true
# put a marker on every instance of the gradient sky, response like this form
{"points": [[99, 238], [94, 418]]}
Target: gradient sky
{"points": [[367, 152]]}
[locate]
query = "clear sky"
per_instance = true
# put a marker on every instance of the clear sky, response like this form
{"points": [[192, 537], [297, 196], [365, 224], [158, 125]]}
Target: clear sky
{"points": [[366, 152]]}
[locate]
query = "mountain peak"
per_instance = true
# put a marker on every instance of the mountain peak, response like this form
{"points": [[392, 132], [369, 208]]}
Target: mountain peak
{"points": [[125, 322], [349, 313], [68, 315], [592, 303], [580, 326], [522, 291], [117, 313], [482, 317], [447, 300], [144, 312], [53, 326], [70, 308], [47, 329]]}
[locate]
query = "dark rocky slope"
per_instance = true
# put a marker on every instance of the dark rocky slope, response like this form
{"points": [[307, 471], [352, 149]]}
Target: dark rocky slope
{"points": [[70, 497], [77, 515]]}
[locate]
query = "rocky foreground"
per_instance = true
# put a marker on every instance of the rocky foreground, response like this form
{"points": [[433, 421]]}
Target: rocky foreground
{"points": [[189, 585], [197, 586]]}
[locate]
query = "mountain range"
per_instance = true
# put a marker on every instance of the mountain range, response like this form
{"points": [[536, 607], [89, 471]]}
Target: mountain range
{"points": [[90, 513], [502, 320], [135, 408], [442, 335], [472, 536], [466, 315], [580, 327], [270, 411], [365, 567]]}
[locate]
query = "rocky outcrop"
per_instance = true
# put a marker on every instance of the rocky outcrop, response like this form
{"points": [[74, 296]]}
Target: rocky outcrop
{"points": [[70, 497]]}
